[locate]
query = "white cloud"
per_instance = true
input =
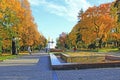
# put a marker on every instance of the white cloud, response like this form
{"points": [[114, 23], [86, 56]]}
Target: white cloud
{"points": [[73, 7], [37, 2], [106, 1], [69, 10], [56, 9], [34, 2]]}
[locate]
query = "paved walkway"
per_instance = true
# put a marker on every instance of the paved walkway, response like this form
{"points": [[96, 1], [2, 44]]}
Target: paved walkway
{"points": [[32, 67], [36, 67]]}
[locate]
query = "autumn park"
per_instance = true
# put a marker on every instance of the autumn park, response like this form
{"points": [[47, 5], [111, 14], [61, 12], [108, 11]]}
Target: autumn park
{"points": [[16, 21], [94, 42], [98, 27]]}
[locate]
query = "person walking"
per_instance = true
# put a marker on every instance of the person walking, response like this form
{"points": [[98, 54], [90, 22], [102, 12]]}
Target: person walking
{"points": [[29, 50], [46, 49], [74, 49]]}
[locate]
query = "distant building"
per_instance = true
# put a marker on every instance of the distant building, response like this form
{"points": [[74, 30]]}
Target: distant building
{"points": [[50, 44]]}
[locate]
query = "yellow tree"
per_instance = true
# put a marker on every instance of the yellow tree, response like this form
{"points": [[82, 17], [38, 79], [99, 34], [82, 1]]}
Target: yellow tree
{"points": [[96, 23], [28, 31], [16, 20], [10, 12], [115, 13]]}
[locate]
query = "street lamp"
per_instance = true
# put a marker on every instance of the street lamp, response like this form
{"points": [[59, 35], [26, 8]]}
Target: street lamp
{"points": [[14, 45], [14, 52], [0, 45]]}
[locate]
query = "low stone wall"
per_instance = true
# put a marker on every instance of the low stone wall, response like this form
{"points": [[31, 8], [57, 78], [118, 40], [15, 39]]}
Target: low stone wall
{"points": [[65, 57], [70, 66], [57, 65], [56, 50], [112, 58], [82, 59]]}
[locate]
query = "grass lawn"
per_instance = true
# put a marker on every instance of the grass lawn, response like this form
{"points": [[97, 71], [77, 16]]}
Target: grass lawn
{"points": [[84, 54], [109, 50], [4, 57], [89, 56]]}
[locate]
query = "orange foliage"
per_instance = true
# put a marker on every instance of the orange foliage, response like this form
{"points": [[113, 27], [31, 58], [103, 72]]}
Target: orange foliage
{"points": [[24, 26], [96, 22]]}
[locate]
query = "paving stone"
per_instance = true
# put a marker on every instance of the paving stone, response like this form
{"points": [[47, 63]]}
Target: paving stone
{"points": [[37, 67], [90, 74], [31, 67]]}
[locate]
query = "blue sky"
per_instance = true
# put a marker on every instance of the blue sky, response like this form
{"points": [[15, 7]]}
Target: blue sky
{"points": [[56, 16]]}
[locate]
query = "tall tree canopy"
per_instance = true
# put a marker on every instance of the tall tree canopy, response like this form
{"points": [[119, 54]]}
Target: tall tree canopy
{"points": [[16, 20], [96, 24]]}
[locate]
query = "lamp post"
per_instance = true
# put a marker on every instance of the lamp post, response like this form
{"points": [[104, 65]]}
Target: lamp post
{"points": [[15, 45], [0, 45], [14, 51]]}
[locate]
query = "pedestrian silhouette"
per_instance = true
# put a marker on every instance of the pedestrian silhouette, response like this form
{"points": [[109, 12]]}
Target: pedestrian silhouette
{"points": [[29, 50]]}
